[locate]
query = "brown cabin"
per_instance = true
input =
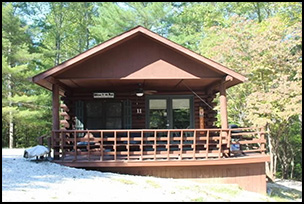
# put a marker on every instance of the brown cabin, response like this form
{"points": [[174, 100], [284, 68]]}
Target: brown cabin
{"points": [[142, 104]]}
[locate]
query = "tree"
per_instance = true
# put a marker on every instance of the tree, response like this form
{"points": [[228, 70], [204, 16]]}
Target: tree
{"points": [[269, 55], [20, 100], [115, 18], [191, 21]]}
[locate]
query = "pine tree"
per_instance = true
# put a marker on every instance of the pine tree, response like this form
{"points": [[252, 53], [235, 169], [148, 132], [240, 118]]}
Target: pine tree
{"points": [[20, 100]]}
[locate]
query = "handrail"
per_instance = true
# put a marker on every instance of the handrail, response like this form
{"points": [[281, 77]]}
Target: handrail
{"points": [[41, 138], [157, 144]]}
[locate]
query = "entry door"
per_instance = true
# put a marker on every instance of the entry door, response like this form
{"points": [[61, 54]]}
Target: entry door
{"points": [[173, 112]]}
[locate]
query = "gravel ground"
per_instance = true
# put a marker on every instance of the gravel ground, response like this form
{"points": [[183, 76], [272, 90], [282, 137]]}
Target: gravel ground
{"points": [[28, 180]]}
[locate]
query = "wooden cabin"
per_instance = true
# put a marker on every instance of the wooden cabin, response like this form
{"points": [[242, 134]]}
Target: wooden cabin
{"points": [[142, 104]]}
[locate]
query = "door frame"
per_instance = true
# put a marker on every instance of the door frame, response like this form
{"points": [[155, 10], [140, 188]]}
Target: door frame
{"points": [[169, 108]]}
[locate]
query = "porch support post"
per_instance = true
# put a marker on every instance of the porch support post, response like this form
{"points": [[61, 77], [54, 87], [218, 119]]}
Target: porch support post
{"points": [[55, 97], [223, 105], [55, 103]]}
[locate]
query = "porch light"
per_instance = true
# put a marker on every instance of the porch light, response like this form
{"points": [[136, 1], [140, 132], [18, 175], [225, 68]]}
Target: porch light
{"points": [[139, 93]]}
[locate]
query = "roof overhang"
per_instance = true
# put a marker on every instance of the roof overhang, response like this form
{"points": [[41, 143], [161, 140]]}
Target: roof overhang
{"points": [[47, 78]]}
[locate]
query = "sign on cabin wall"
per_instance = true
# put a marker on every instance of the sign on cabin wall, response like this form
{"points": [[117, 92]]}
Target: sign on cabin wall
{"points": [[103, 95]]}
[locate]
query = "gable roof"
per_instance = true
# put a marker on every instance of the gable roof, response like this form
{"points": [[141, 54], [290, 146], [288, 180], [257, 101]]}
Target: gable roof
{"points": [[45, 78]]}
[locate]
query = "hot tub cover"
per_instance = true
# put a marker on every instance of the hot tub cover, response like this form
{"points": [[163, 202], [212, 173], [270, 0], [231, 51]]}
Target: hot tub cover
{"points": [[36, 151]]}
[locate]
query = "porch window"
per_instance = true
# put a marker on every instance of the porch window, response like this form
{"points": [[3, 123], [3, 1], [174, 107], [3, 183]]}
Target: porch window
{"points": [[173, 112], [181, 113], [158, 113]]}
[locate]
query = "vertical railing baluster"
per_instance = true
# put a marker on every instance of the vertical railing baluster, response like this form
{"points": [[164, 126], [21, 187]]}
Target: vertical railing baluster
{"points": [[115, 143], [75, 145], [207, 143], [128, 156], [101, 145], [181, 145], [194, 144], [142, 145], [168, 143], [88, 145], [155, 136]]}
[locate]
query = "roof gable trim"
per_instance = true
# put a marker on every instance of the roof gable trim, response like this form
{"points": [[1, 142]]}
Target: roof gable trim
{"points": [[131, 33]]}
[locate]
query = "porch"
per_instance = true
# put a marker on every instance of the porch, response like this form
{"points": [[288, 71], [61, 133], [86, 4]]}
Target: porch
{"points": [[151, 147]]}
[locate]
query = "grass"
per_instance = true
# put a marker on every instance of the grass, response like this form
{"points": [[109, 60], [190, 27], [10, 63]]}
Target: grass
{"points": [[200, 199], [153, 183], [231, 190], [125, 181], [284, 194], [212, 191]]}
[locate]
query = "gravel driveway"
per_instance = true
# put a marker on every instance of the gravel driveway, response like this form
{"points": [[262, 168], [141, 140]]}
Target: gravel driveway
{"points": [[26, 180]]}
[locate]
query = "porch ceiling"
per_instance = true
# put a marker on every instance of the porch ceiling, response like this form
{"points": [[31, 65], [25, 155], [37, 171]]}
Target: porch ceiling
{"points": [[131, 85]]}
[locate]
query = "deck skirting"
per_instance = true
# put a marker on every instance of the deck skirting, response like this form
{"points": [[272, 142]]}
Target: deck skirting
{"points": [[247, 172]]}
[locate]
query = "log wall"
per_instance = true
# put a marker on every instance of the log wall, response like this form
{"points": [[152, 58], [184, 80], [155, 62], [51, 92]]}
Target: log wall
{"points": [[67, 113]]}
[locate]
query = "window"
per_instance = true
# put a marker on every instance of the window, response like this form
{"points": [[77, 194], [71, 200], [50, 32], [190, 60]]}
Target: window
{"points": [[103, 115], [173, 112]]}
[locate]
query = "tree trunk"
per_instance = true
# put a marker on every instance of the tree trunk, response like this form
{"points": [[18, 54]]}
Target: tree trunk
{"points": [[11, 124], [11, 131], [57, 44], [274, 170], [292, 167], [270, 165], [257, 6], [86, 5], [285, 170]]}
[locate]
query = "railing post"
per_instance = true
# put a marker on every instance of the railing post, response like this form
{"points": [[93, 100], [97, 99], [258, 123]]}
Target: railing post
{"points": [[55, 144], [55, 113], [229, 141], [194, 144], [62, 141], [220, 143], [181, 145]]}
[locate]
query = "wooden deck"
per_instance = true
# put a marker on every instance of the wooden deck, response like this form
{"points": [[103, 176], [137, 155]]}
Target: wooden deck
{"points": [[95, 162], [232, 156], [156, 147]]}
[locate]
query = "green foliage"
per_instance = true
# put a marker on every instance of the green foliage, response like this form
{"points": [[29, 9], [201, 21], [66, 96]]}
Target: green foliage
{"points": [[116, 18], [269, 54], [23, 104]]}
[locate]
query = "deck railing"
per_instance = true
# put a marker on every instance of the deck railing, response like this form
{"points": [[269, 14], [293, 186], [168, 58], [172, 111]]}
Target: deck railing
{"points": [[156, 144]]}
